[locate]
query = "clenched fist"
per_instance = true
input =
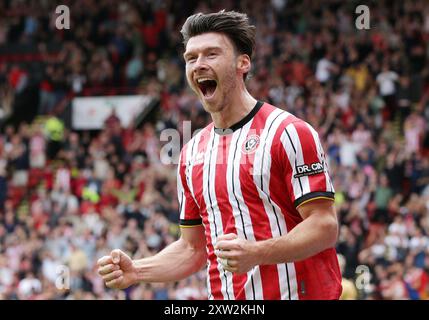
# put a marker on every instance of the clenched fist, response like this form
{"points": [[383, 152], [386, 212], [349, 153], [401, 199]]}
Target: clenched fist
{"points": [[236, 255], [117, 270]]}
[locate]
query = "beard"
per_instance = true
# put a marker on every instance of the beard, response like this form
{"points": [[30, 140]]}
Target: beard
{"points": [[225, 89]]}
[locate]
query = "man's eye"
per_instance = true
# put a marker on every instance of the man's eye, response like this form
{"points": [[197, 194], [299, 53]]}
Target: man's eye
{"points": [[192, 59], [212, 55]]}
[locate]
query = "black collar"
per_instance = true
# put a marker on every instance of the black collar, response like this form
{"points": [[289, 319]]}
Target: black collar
{"points": [[242, 122]]}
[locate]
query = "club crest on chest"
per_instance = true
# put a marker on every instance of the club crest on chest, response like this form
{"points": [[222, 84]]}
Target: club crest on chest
{"points": [[250, 144]]}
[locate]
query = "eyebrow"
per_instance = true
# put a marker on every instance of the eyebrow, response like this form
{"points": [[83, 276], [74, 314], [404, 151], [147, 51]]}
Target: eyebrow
{"points": [[188, 53]]}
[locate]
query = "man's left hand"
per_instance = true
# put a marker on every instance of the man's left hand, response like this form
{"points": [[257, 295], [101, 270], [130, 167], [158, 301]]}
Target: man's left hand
{"points": [[237, 255]]}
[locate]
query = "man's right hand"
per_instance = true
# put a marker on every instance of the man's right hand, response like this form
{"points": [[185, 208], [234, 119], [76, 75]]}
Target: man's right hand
{"points": [[117, 270]]}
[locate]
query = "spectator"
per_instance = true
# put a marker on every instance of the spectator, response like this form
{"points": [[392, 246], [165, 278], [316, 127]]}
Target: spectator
{"points": [[386, 81]]}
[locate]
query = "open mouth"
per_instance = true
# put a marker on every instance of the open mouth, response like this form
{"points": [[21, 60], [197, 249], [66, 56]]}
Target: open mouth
{"points": [[207, 87]]}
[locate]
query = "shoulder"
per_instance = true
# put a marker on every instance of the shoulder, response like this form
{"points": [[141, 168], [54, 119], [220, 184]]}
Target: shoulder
{"points": [[300, 132], [294, 134], [286, 122], [300, 126]]}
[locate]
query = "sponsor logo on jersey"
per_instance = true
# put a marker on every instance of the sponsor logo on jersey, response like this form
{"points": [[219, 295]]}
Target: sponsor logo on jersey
{"points": [[309, 169]]}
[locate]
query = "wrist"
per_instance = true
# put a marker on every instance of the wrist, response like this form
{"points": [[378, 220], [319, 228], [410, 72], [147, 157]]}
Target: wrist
{"points": [[137, 274], [260, 252], [266, 251]]}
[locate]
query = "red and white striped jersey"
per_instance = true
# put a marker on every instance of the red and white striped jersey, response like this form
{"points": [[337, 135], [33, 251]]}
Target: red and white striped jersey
{"points": [[249, 180]]}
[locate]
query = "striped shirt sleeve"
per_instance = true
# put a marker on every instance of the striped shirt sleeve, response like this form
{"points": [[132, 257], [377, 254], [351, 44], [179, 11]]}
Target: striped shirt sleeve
{"points": [[188, 209], [306, 174]]}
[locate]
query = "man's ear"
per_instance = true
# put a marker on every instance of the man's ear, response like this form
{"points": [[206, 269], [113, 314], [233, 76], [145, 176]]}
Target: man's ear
{"points": [[244, 64]]}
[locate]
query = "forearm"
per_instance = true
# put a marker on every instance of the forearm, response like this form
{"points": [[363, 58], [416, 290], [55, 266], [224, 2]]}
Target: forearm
{"points": [[311, 236], [177, 261]]}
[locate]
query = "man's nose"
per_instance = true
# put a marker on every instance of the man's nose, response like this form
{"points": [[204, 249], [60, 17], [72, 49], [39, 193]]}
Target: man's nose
{"points": [[200, 64]]}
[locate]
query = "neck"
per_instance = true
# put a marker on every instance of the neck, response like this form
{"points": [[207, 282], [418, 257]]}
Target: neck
{"points": [[235, 109]]}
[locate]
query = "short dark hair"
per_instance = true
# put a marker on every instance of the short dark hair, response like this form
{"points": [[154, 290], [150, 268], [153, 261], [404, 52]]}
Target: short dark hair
{"points": [[234, 25]]}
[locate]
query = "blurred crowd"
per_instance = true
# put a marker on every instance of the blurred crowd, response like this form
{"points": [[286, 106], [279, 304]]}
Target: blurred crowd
{"points": [[68, 197]]}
